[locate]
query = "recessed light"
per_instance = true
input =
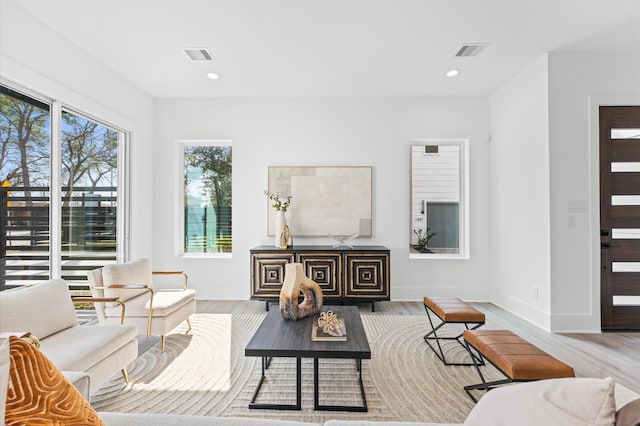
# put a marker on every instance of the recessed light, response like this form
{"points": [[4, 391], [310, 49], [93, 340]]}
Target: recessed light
{"points": [[453, 72], [213, 75]]}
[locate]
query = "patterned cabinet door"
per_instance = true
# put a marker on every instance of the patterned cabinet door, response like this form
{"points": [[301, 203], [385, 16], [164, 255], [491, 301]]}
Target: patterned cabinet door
{"points": [[367, 275], [267, 274], [325, 268]]}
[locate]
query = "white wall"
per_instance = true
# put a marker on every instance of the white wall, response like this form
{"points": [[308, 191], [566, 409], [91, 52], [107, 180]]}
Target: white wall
{"points": [[325, 131], [578, 83], [39, 59], [520, 236], [544, 183]]}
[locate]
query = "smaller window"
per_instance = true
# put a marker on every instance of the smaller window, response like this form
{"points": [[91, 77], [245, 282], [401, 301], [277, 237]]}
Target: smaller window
{"points": [[205, 216], [439, 199]]}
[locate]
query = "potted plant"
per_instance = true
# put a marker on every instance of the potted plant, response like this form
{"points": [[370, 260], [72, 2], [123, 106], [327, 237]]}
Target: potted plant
{"points": [[423, 239], [280, 206]]}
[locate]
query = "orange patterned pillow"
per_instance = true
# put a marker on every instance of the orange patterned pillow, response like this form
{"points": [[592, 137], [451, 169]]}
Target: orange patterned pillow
{"points": [[39, 394]]}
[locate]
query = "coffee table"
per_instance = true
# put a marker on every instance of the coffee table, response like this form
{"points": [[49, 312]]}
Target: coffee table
{"points": [[277, 337]]}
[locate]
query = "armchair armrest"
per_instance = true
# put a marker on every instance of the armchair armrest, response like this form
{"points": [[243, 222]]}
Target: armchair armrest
{"points": [[134, 287], [102, 299], [184, 275], [127, 287]]}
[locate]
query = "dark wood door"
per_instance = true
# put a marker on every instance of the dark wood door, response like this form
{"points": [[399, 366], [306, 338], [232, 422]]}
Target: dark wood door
{"points": [[620, 217]]}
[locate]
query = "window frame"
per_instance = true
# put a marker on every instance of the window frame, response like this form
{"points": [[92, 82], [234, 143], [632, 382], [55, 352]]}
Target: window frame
{"points": [[181, 144], [56, 108], [123, 212], [463, 219]]}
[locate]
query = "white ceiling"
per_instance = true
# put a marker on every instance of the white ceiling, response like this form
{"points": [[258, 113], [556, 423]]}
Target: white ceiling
{"points": [[284, 48]]}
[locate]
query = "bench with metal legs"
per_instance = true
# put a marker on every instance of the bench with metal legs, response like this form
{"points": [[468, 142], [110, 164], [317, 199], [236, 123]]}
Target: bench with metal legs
{"points": [[514, 357], [451, 311]]}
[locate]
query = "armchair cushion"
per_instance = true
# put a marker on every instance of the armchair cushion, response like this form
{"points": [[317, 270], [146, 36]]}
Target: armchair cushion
{"points": [[39, 393], [42, 309], [132, 273], [164, 303]]}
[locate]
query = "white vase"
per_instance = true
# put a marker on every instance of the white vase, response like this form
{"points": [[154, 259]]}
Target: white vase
{"points": [[281, 221]]}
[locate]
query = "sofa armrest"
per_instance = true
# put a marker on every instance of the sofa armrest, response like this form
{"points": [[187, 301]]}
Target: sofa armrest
{"points": [[27, 336], [80, 380]]}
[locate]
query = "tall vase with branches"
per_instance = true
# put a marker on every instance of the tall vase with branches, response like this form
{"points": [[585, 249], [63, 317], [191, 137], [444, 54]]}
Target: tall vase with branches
{"points": [[280, 205]]}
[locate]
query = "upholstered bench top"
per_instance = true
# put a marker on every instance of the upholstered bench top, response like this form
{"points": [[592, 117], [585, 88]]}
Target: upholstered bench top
{"points": [[452, 309], [515, 357]]}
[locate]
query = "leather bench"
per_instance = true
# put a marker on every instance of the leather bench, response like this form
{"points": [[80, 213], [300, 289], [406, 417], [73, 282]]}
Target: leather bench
{"points": [[450, 310], [517, 359]]}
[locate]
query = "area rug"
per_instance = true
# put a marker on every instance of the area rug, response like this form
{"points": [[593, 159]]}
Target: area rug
{"points": [[206, 373]]}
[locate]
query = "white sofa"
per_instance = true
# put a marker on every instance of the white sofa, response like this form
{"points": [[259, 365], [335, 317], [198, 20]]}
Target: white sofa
{"points": [[562, 402], [47, 311], [565, 402]]}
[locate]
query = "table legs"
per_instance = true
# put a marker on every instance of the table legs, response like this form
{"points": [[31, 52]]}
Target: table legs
{"points": [[297, 406], [316, 397], [316, 393]]}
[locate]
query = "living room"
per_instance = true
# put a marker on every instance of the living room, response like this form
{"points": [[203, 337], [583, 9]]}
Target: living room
{"points": [[534, 186]]}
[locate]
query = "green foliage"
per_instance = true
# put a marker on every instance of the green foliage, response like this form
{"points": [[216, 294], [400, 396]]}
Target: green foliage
{"points": [[278, 204], [423, 237], [89, 152], [24, 141], [214, 163]]}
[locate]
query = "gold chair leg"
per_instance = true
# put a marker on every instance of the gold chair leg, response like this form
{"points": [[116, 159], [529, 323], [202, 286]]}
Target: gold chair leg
{"points": [[189, 324], [125, 375], [162, 343]]}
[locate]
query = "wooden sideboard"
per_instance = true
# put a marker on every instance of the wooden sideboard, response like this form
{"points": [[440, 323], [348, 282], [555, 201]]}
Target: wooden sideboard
{"points": [[346, 275]]}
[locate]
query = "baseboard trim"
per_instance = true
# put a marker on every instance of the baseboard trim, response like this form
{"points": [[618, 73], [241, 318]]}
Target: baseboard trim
{"points": [[525, 311]]}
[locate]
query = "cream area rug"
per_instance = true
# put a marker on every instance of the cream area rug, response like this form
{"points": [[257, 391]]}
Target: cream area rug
{"points": [[206, 373]]}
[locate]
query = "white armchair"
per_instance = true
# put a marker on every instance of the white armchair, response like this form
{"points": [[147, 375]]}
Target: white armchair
{"points": [[152, 311]]}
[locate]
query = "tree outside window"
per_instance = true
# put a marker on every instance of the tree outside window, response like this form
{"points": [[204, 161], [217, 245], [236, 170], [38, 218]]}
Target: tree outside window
{"points": [[207, 198]]}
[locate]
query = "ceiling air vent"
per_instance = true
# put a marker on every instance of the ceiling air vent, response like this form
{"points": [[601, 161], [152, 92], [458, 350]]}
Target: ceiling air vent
{"points": [[198, 54], [471, 49]]}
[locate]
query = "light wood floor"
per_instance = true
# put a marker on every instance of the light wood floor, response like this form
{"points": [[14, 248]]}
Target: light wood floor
{"points": [[591, 355]]}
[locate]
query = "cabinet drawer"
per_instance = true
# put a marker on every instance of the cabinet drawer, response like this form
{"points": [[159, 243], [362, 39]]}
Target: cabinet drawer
{"points": [[366, 275], [325, 269], [267, 273]]}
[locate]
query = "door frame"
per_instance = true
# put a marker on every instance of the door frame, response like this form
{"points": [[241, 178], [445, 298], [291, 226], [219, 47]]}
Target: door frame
{"points": [[595, 102]]}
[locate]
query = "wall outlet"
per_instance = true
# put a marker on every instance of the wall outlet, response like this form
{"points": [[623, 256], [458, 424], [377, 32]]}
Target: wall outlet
{"points": [[535, 293]]}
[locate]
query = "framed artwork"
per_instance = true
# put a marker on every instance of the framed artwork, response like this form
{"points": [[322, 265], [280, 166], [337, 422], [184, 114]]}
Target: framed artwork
{"points": [[326, 200]]}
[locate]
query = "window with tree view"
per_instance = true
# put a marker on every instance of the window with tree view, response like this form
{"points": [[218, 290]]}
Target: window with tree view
{"points": [[207, 197], [60, 195], [89, 187]]}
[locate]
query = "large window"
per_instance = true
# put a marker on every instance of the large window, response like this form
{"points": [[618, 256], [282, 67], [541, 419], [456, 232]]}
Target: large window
{"points": [[205, 216], [60, 200], [439, 199]]}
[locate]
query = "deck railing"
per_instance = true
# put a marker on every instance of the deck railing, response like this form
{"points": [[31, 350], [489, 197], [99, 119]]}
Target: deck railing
{"points": [[88, 233]]}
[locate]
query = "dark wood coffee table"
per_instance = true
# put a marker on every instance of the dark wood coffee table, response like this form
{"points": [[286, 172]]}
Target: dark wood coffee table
{"points": [[277, 337]]}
